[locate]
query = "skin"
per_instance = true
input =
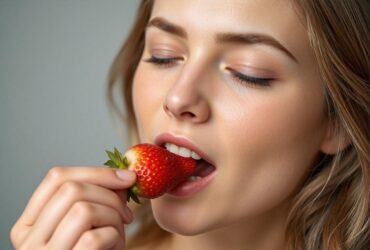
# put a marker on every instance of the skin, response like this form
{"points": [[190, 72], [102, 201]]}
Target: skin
{"points": [[76, 208], [262, 139]]}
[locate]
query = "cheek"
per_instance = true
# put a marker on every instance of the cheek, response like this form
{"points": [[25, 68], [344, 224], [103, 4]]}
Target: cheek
{"points": [[270, 146], [148, 95]]}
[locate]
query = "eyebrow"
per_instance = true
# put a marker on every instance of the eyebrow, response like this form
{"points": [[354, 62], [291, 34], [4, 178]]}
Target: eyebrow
{"points": [[234, 38], [253, 38], [165, 25]]}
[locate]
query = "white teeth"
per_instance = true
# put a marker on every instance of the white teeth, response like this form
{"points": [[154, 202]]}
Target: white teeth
{"points": [[195, 156], [174, 149], [185, 152], [194, 178]]}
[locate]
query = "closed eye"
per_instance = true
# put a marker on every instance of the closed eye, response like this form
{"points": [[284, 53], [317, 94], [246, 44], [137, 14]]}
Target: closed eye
{"points": [[246, 79], [163, 62]]}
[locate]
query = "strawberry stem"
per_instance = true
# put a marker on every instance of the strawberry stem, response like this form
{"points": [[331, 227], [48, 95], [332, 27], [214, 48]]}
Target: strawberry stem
{"points": [[117, 160]]}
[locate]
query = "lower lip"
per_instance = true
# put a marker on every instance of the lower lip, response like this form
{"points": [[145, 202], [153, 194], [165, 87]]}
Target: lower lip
{"points": [[189, 188]]}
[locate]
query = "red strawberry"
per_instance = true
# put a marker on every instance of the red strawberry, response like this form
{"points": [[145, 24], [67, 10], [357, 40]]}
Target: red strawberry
{"points": [[157, 169]]}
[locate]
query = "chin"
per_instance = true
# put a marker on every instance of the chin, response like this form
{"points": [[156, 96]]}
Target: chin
{"points": [[179, 226], [180, 219]]}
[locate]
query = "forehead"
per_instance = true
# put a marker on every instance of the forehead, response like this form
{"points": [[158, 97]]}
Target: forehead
{"points": [[204, 18], [223, 13]]}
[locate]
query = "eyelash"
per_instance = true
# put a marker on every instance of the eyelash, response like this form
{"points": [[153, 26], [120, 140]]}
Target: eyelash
{"points": [[241, 78], [245, 79], [163, 62]]}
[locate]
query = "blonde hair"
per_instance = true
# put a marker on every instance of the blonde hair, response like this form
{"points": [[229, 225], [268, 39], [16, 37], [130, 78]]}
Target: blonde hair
{"points": [[331, 211]]}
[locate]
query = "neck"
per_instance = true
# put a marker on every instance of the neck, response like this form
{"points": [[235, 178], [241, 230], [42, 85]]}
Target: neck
{"points": [[263, 232]]}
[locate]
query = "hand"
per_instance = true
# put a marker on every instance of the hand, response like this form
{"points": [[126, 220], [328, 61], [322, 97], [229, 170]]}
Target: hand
{"points": [[76, 208]]}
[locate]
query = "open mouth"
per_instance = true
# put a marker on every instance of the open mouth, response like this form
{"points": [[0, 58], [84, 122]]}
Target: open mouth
{"points": [[204, 168]]}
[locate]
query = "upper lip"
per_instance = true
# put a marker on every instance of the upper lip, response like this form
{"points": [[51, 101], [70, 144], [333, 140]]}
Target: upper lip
{"points": [[181, 142]]}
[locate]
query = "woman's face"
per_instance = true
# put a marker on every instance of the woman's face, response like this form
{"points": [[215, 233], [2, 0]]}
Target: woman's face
{"points": [[235, 80]]}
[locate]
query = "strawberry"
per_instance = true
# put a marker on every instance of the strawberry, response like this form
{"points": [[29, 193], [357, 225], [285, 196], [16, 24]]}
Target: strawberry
{"points": [[157, 169]]}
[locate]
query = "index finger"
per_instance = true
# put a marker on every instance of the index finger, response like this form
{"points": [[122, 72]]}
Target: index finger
{"points": [[101, 176]]}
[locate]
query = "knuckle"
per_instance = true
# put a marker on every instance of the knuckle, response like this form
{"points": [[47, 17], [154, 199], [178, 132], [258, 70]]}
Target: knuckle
{"points": [[92, 239], [56, 173], [13, 235], [18, 237], [28, 245], [83, 211], [95, 239], [71, 189], [113, 232]]}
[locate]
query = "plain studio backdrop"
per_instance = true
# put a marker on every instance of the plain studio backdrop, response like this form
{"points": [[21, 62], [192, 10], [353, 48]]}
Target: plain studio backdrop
{"points": [[54, 60]]}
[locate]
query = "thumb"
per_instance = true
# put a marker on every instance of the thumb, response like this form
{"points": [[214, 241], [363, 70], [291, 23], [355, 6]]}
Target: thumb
{"points": [[127, 176]]}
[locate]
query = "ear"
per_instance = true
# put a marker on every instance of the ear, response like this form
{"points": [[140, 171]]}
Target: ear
{"points": [[335, 139]]}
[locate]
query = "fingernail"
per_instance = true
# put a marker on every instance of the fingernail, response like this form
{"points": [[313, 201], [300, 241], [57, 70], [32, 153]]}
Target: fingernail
{"points": [[125, 175]]}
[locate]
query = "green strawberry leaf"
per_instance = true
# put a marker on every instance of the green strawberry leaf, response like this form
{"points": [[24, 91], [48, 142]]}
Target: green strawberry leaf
{"points": [[110, 164], [125, 162], [112, 157], [117, 154], [120, 159], [133, 196]]}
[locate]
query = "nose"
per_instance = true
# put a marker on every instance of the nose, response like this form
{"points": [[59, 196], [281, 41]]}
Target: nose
{"points": [[187, 99]]}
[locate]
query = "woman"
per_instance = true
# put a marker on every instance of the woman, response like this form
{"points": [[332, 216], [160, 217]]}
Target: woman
{"points": [[273, 94]]}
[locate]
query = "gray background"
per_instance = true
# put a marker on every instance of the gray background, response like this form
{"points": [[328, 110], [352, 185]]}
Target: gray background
{"points": [[54, 59]]}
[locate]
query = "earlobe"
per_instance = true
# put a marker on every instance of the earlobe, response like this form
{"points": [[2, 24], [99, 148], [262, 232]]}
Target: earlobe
{"points": [[335, 140]]}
